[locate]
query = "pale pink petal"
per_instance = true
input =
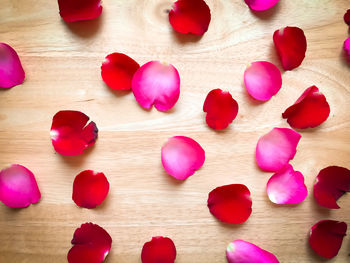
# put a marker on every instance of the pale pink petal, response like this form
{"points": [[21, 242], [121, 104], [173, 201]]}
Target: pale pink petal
{"points": [[260, 5], [11, 71]]}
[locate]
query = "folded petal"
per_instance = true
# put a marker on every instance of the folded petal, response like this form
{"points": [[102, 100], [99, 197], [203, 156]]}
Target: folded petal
{"points": [[230, 203], [79, 10], [260, 5], [309, 111], [11, 71], [347, 17], [159, 250], [221, 109], [262, 80], [182, 156], [326, 237], [275, 149], [347, 49], [18, 187]]}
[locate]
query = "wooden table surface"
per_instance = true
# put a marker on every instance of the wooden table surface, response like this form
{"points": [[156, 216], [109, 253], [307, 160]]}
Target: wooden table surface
{"points": [[62, 63]]}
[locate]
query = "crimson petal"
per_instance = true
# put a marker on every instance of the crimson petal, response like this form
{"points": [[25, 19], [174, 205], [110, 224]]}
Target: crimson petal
{"points": [[79, 10], [347, 17], [11, 70], [159, 250], [260, 5]]}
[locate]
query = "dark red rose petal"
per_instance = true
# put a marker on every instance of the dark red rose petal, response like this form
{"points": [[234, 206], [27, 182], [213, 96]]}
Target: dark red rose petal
{"points": [[190, 16], [158, 250], [347, 17], [290, 43], [309, 111], [326, 237], [221, 109], [79, 10], [230, 203]]}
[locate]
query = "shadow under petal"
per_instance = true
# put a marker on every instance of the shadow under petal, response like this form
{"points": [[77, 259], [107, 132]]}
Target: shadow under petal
{"points": [[85, 29], [267, 14]]}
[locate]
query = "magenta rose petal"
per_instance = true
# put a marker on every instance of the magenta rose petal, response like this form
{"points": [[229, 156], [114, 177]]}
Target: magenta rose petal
{"points": [[347, 49], [79, 10], [159, 250], [261, 5]]}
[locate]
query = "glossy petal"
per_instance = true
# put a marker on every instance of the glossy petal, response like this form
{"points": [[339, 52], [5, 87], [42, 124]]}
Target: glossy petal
{"points": [[230, 203], [90, 189], [190, 16], [159, 250], [156, 84], [221, 109], [11, 71], [262, 80], [182, 156], [286, 186], [71, 133], [347, 49], [18, 187], [240, 251], [79, 10], [290, 43], [260, 5], [91, 244], [326, 237], [275, 149], [117, 71], [309, 111], [347, 17], [331, 183]]}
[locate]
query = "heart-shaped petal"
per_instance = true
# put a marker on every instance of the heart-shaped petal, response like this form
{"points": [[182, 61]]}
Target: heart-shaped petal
{"points": [[159, 250], [11, 71], [79, 10], [260, 5]]}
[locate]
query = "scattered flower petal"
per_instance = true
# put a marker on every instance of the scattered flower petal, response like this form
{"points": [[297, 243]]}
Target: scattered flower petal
{"points": [[260, 5], [326, 237], [347, 49], [190, 16], [71, 133], [309, 111], [290, 43], [347, 17], [18, 187], [262, 80], [182, 156], [11, 71], [230, 203], [159, 250], [275, 149], [79, 10]]}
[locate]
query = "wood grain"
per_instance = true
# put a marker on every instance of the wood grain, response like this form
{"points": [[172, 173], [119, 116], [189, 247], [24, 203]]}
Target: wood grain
{"points": [[62, 63]]}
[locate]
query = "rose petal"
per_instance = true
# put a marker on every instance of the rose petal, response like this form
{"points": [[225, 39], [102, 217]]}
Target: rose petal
{"points": [[309, 111], [221, 109], [286, 186], [240, 251], [262, 80], [117, 71], [11, 71], [331, 183], [260, 5], [190, 16], [230, 203], [90, 189], [91, 244], [347, 17], [159, 250], [79, 10], [347, 49], [290, 43], [326, 237], [275, 149], [18, 187], [182, 156]]}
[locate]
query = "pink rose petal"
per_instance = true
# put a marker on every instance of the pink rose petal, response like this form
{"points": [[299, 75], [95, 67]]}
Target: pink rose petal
{"points": [[347, 49], [11, 71], [260, 5]]}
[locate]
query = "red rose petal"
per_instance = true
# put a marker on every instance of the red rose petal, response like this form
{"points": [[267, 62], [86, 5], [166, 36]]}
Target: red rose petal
{"points": [[309, 111], [260, 5], [347, 17], [221, 109], [190, 16], [331, 183], [159, 250], [290, 43], [347, 49], [90, 189], [230, 203], [79, 10], [11, 70], [326, 237], [117, 71], [71, 133]]}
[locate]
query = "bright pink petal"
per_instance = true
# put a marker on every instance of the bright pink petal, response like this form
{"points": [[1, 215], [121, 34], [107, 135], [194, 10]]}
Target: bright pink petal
{"points": [[11, 71], [347, 17], [90, 189], [91, 244], [290, 43], [262, 80], [182, 156], [310, 110], [240, 251], [190, 16], [221, 109], [331, 183], [286, 186], [275, 149], [156, 83], [79, 10], [347, 49], [326, 237], [230, 203], [260, 5], [159, 250], [18, 187], [71, 133], [117, 71]]}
